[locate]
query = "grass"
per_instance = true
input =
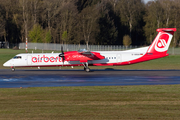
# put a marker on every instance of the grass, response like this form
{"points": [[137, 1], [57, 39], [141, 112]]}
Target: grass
{"points": [[169, 62], [114, 102]]}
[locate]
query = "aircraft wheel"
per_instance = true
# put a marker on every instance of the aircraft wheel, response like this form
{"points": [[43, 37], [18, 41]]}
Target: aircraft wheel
{"points": [[13, 69], [87, 70]]}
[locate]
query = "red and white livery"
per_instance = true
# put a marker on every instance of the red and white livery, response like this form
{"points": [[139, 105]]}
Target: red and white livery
{"points": [[85, 58]]}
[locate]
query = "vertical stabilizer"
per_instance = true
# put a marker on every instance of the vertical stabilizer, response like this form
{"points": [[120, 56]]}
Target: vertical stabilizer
{"points": [[162, 41]]}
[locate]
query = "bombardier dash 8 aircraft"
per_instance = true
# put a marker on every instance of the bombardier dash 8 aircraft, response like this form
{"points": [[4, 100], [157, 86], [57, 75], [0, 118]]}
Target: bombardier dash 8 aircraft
{"points": [[157, 49]]}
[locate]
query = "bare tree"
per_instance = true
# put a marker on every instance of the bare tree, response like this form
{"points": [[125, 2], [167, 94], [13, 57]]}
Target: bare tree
{"points": [[157, 11], [9, 12], [68, 13], [175, 13], [3, 19], [24, 4], [35, 5], [2, 26], [51, 16], [154, 19], [151, 23], [167, 8], [129, 12], [114, 3], [88, 20]]}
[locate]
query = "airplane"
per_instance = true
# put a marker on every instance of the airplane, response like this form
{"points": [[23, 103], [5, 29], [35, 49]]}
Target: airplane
{"points": [[83, 57]]}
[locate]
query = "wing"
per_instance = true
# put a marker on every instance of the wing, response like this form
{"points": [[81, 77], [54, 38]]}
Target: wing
{"points": [[83, 56], [91, 56]]}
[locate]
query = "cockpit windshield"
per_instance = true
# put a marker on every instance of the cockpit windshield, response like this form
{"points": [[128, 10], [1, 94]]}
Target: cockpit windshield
{"points": [[17, 57]]}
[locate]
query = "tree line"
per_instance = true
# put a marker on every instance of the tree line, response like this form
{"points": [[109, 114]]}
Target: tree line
{"points": [[101, 22]]}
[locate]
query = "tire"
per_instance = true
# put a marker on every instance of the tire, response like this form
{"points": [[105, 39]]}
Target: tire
{"points": [[87, 70], [13, 69]]}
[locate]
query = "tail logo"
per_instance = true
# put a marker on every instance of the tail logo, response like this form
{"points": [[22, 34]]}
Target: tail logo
{"points": [[161, 43]]}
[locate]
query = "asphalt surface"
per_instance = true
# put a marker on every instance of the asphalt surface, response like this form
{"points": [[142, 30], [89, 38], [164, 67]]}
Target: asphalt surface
{"points": [[108, 77], [92, 72]]}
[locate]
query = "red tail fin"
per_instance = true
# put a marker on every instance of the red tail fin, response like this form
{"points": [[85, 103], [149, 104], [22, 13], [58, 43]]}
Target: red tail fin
{"points": [[162, 41]]}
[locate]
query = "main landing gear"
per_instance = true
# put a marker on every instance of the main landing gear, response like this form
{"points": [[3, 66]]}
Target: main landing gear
{"points": [[86, 68]]}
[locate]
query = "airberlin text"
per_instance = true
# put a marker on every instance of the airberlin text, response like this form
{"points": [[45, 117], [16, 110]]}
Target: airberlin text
{"points": [[45, 59]]}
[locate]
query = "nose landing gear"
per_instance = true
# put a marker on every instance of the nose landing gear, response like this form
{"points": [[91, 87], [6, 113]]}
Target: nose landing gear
{"points": [[12, 69]]}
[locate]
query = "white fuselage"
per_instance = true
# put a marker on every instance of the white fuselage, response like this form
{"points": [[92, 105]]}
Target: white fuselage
{"points": [[53, 59]]}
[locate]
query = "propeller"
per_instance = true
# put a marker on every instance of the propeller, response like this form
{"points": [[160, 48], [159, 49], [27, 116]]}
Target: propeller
{"points": [[62, 54]]}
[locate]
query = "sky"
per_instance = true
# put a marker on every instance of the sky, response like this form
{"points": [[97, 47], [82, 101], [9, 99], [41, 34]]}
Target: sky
{"points": [[147, 1]]}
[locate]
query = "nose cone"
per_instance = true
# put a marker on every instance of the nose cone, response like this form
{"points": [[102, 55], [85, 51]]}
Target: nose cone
{"points": [[7, 64]]}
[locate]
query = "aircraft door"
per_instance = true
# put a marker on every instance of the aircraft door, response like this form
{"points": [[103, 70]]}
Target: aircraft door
{"points": [[29, 60], [118, 57]]}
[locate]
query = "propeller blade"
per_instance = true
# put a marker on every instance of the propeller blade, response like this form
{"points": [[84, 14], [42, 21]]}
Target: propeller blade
{"points": [[62, 50], [63, 59], [62, 54]]}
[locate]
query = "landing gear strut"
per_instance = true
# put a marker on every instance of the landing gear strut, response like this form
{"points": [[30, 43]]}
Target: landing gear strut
{"points": [[86, 68]]}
